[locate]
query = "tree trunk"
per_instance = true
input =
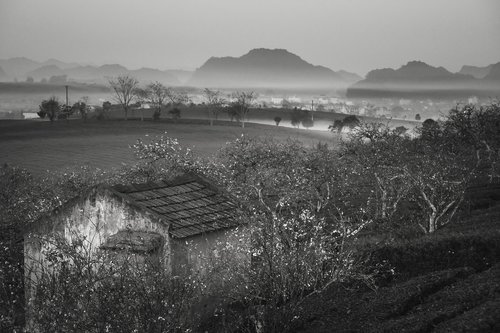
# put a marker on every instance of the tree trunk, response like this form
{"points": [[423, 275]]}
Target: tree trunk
{"points": [[384, 204], [432, 223], [159, 113]]}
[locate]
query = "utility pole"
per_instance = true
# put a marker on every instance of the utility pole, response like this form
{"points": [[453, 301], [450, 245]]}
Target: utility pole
{"points": [[312, 110], [66, 95]]}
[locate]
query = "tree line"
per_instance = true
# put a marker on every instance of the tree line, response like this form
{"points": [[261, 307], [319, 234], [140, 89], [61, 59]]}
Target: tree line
{"points": [[128, 93]]}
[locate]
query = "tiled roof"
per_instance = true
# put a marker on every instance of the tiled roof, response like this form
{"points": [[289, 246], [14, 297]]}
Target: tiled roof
{"points": [[190, 204]]}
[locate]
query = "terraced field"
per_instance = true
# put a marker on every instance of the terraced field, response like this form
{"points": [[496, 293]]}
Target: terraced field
{"points": [[445, 282], [41, 145]]}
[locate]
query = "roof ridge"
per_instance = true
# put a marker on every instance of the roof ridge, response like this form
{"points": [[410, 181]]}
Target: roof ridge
{"points": [[185, 178], [208, 206]]}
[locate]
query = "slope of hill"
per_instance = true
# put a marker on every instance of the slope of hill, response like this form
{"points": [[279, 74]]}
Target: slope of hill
{"points": [[182, 75], [417, 79], [267, 68], [445, 282], [18, 67], [150, 74], [95, 74], [494, 73], [415, 72], [475, 71], [45, 72], [60, 64]]}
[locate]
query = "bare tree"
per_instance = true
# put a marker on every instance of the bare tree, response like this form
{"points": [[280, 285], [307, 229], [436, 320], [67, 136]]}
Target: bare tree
{"points": [[177, 97], [244, 100], [125, 88], [142, 96], [158, 94], [155, 94], [214, 103]]}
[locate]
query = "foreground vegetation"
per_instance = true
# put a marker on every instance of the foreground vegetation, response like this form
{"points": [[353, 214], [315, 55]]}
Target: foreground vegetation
{"points": [[327, 226], [445, 282]]}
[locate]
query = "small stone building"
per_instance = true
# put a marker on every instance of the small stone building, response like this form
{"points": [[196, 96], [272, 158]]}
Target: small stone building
{"points": [[174, 224]]}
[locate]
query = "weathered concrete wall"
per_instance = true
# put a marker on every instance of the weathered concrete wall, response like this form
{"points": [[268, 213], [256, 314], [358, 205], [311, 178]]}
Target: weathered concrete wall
{"points": [[92, 219]]}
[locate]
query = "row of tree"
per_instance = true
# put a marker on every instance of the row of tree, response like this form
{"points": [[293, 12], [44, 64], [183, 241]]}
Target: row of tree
{"points": [[127, 91]]}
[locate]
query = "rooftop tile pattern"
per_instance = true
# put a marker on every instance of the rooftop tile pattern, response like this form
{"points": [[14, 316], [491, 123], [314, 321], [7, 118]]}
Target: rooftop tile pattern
{"points": [[189, 204]]}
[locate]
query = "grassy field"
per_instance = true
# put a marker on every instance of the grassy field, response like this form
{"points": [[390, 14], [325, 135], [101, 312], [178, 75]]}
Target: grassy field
{"points": [[262, 116], [40, 145]]}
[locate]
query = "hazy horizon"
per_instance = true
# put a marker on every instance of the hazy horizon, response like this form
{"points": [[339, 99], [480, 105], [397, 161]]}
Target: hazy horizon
{"points": [[356, 36]]}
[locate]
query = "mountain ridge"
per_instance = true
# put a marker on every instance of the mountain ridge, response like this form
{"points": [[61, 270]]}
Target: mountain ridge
{"points": [[417, 79], [268, 68], [21, 68], [476, 71]]}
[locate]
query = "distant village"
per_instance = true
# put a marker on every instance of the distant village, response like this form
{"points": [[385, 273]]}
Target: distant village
{"points": [[386, 108]]}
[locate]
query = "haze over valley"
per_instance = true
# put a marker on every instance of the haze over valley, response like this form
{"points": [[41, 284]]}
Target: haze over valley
{"points": [[277, 75]]}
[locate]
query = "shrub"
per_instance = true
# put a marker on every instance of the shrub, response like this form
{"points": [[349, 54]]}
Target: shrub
{"points": [[348, 122], [77, 292], [303, 117], [175, 113], [277, 120], [156, 114], [440, 252], [50, 108]]}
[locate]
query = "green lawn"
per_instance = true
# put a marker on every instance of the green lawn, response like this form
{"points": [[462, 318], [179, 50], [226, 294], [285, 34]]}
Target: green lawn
{"points": [[41, 145]]}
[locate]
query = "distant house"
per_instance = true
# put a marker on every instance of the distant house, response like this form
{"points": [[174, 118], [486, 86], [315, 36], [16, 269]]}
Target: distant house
{"points": [[323, 100], [472, 100], [171, 223], [276, 100]]}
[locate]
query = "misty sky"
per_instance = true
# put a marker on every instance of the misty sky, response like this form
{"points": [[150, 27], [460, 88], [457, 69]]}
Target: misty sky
{"points": [[355, 35]]}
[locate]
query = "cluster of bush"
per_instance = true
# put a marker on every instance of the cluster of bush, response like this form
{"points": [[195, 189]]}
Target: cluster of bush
{"points": [[306, 208], [54, 110]]}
